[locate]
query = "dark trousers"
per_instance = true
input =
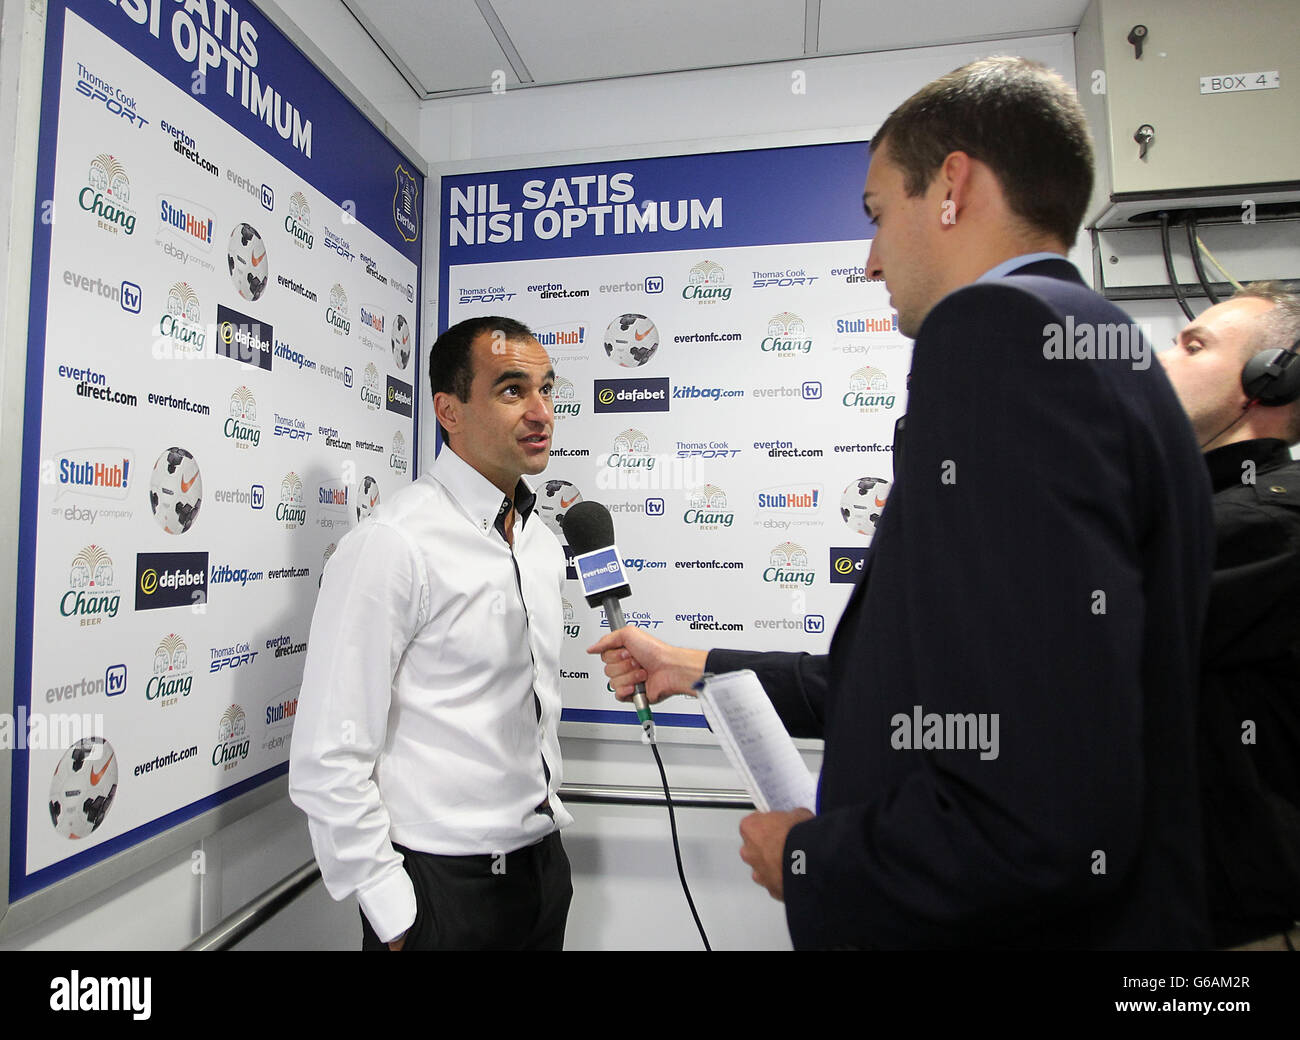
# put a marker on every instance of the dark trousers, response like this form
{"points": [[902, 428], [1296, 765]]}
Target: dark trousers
{"points": [[514, 901]]}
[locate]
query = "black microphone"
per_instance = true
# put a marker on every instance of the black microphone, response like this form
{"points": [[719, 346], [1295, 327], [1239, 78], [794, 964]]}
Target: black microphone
{"points": [[589, 530]]}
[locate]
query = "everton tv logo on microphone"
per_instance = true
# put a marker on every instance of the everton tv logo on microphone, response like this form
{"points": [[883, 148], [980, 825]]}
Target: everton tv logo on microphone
{"points": [[600, 570]]}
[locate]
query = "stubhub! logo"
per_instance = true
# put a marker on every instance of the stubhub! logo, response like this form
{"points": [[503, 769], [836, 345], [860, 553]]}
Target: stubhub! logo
{"points": [[631, 395], [600, 570]]}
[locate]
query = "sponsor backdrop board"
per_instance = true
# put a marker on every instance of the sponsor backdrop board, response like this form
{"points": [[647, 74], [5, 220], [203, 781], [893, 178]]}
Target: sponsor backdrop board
{"points": [[727, 381], [220, 384]]}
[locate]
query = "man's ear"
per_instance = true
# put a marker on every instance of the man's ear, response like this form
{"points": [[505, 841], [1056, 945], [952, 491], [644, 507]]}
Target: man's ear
{"points": [[447, 407], [955, 175]]}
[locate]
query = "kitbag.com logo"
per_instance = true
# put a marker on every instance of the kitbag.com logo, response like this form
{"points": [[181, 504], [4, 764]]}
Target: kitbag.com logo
{"points": [[170, 580]]}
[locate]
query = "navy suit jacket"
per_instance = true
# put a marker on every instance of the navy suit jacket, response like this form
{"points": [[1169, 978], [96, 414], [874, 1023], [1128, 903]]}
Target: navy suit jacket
{"points": [[1044, 556]]}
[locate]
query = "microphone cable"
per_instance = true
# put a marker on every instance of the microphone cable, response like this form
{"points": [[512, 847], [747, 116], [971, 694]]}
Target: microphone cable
{"points": [[1230, 425], [677, 850]]}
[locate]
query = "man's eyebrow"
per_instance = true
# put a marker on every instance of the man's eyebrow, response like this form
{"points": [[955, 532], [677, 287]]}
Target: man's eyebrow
{"points": [[509, 376], [866, 206], [1196, 332]]}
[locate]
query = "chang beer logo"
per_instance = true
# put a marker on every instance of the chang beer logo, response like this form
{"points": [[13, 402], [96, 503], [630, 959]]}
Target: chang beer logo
{"points": [[182, 325], [232, 738], [172, 678], [787, 336], [298, 222], [241, 422], [406, 210], [92, 591], [564, 396], [868, 391], [788, 566], [631, 451], [325, 558], [706, 508], [397, 458], [571, 626], [370, 388], [106, 196], [336, 314], [707, 283], [292, 512]]}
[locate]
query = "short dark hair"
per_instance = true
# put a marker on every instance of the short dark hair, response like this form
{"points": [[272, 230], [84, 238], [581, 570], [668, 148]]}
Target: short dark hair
{"points": [[1017, 116], [451, 362], [1278, 329]]}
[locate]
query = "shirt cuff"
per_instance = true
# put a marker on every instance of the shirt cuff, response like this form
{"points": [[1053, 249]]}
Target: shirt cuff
{"points": [[389, 905]]}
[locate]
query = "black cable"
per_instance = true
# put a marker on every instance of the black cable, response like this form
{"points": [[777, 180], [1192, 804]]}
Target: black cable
{"points": [[1195, 247], [1169, 266], [1230, 425], [677, 852]]}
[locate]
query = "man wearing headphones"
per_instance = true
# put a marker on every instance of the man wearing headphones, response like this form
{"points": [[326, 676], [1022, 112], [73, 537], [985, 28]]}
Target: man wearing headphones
{"points": [[1239, 385]]}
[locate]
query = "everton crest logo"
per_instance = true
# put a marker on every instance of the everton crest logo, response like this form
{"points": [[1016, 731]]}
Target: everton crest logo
{"points": [[406, 212]]}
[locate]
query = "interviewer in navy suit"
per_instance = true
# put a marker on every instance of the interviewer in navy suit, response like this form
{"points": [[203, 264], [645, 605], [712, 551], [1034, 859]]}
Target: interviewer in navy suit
{"points": [[1039, 576]]}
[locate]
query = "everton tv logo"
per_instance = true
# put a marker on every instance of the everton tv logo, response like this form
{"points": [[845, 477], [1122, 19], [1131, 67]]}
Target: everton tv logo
{"points": [[406, 214]]}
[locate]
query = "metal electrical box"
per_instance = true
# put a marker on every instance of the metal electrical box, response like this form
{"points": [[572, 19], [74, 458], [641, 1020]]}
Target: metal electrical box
{"points": [[1194, 104]]}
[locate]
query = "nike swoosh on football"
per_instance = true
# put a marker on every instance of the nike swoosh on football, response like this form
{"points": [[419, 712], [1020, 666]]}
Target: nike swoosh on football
{"points": [[257, 261], [95, 778], [565, 504], [185, 488], [642, 335]]}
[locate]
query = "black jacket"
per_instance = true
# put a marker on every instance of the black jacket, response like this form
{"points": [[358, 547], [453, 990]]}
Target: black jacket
{"points": [[1044, 557], [1250, 731]]}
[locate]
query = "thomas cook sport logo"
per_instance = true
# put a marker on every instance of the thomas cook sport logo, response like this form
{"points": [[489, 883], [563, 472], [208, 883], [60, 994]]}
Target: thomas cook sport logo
{"points": [[292, 511], [232, 738], [241, 422], [172, 678], [370, 388], [298, 222], [564, 396], [107, 196], [397, 458], [787, 336], [181, 329], [868, 391], [92, 592], [706, 508], [788, 566], [115, 100], [707, 283], [336, 314]]}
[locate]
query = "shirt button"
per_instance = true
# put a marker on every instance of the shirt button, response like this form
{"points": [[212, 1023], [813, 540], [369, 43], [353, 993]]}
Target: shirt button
{"points": [[1278, 490]]}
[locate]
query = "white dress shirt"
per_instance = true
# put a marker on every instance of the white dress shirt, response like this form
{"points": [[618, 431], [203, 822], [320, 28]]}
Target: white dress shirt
{"points": [[433, 648]]}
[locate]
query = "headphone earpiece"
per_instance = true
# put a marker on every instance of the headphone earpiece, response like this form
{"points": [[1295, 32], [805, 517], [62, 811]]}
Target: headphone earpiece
{"points": [[1272, 377]]}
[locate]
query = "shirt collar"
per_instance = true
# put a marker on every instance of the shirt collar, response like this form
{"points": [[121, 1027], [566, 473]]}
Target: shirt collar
{"points": [[1225, 463], [1015, 263], [478, 497]]}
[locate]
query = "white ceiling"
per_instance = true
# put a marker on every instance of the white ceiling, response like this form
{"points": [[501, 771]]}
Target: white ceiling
{"points": [[448, 47]]}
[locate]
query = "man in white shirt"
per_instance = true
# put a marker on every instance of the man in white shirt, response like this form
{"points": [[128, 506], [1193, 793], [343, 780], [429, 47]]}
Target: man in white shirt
{"points": [[425, 751]]}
